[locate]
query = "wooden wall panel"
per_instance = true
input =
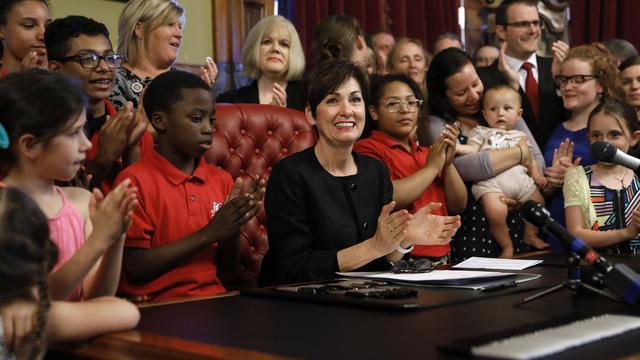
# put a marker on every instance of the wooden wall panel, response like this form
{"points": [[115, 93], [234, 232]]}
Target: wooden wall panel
{"points": [[232, 21]]}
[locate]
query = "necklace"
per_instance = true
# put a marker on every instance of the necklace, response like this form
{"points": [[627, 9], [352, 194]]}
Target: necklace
{"points": [[621, 180]]}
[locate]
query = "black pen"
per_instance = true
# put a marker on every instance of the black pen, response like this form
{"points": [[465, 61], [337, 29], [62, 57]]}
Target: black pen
{"points": [[499, 286]]}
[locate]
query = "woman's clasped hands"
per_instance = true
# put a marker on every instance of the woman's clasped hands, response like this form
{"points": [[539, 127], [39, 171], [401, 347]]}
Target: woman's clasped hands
{"points": [[401, 229]]}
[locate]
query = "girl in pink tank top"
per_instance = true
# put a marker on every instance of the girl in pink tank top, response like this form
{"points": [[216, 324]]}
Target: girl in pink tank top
{"points": [[42, 140], [66, 230]]}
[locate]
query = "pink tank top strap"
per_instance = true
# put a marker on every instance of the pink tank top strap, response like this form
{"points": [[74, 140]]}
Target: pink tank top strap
{"points": [[66, 230]]}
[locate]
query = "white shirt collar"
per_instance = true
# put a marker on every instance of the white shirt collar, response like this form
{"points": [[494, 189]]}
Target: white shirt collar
{"points": [[516, 64]]}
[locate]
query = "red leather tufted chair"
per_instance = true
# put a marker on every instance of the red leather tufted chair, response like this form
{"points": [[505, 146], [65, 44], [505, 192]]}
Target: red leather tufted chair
{"points": [[248, 140]]}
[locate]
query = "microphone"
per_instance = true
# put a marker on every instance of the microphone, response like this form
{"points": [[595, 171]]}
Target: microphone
{"points": [[604, 151], [619, 277]]}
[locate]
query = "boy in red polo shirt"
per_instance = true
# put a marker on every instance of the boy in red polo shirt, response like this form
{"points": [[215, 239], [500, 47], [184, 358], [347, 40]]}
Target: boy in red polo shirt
{"points": [[80, 47], [185, 233]]}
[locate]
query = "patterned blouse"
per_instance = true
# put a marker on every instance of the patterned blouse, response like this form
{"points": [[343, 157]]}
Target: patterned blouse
{"points": [[599, 205], [128, 87]]}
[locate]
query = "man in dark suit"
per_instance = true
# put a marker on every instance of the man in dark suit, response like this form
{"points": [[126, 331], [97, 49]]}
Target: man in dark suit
{"points": [[518, 24]]}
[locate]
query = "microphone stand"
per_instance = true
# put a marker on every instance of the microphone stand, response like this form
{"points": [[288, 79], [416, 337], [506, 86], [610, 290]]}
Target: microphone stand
{"points": [[574, 283], [619, 278]]}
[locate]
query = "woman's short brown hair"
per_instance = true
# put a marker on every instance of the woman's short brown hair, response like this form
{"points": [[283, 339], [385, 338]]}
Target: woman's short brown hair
{"points": [[327, 76]]}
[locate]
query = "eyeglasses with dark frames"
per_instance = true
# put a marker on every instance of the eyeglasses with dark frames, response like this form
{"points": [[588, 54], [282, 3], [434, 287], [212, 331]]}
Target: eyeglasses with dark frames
{"points": [[91, 61], [412, 265], [395, 104], [578, 79], [521, 25]]}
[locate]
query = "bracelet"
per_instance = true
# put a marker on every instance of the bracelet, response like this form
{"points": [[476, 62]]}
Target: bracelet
{"points": [[520, 148], [402, 250]]}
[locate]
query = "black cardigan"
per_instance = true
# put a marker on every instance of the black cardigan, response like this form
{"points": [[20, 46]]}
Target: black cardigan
{"points": [[312, 214], [249, 95]]}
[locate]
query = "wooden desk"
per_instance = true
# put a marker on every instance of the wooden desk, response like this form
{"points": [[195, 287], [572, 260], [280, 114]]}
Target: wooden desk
{"points": [[253, 328]]}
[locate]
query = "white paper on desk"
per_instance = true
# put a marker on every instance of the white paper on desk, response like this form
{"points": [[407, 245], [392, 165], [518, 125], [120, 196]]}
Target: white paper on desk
{"points": [[477, 262], [435, 275]]}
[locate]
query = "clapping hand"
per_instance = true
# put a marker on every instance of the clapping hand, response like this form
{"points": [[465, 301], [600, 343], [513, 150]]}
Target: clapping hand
{"points": [[209, 71], [426, 228], [33, 60], [18, 320], [450, 136], [391, 229], [237, 209], [559, 50], [279, 96], [111, 215], [114, 134], [562, 160], [438, 154], [512, 76]]}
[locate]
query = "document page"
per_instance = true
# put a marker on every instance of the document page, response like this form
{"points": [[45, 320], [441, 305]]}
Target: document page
{"points": [[444, 276], [496, 264]]}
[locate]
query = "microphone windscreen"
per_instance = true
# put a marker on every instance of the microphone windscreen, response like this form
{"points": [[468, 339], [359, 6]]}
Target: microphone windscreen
{"points": [[603, 151], [534, 213]]}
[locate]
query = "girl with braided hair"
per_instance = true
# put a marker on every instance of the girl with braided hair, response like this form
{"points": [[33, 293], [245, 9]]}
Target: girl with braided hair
{"points": [[29, 321]]}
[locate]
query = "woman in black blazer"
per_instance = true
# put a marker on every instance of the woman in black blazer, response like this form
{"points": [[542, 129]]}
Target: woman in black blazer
{"points": [[329, 208]]}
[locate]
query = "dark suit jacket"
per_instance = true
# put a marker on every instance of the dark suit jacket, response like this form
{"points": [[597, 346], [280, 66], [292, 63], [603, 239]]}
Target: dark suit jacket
{"points": [[551, 111], [313, 214], [249, 95]]}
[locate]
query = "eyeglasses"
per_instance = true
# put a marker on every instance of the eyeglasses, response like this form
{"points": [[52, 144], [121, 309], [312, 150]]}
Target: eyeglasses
{"points": [[422, 265], [395, 105], [91, 61], [562, 80], [521, 25]]}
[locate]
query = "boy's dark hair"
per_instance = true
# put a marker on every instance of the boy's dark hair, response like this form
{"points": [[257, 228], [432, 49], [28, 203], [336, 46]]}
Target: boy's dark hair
{"points": [[501, 12], [166, 89], [38, 102], [445, 64], [327, 77], [498, 88], [61, 31], [619, 110], [26, 255]]}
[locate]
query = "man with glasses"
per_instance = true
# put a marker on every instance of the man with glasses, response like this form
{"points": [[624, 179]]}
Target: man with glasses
{"points": [[518, 24], [80, 47]]}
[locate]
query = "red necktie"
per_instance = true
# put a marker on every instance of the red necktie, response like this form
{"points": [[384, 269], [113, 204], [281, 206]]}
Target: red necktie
{"points": [[531, 88]]}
